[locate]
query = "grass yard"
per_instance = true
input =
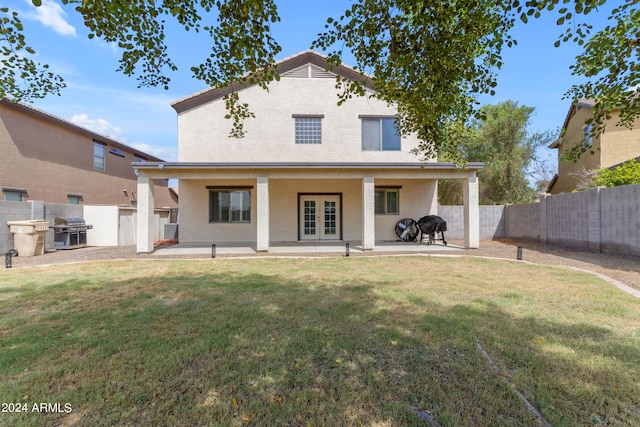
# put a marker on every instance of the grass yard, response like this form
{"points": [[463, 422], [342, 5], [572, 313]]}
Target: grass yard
{"points": [[315, 342]]}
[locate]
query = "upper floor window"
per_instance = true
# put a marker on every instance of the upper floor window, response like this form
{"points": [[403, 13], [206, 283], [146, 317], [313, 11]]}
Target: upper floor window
{"points": [[380, 133], [98, 156], [308, 128], [139, 159], [229, 206], [588, 137]]}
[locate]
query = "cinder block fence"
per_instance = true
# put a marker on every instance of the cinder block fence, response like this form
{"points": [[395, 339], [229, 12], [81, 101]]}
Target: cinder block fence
{"points": [[599, 220]]}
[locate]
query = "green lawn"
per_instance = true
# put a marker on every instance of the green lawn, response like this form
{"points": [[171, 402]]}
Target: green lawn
{"points": [[315, 342]]}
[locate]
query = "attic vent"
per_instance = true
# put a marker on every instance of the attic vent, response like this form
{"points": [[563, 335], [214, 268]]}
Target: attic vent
{"points": [[308, 71], [320, 73], [298, 73]]}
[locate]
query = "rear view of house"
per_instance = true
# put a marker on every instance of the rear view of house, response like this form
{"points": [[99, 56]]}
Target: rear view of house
{"points": [[307, 169]]}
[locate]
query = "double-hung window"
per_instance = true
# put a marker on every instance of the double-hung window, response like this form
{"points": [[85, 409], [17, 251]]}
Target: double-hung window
{"points": [[308, 128], [387, 201], [98, 156], [380, 134], [229, 205]]}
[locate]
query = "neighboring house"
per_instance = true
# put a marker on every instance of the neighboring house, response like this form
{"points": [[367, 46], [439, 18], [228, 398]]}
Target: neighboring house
{"points": [[307, 169], [44, 157], [616, 145]]}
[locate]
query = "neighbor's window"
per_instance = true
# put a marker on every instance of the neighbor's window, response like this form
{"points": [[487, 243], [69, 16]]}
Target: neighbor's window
{"points": [[229, 206], [387, 201], [98, 156], [13, 196], [380, 134], [308, 129], [74, 199], [588, 138]]}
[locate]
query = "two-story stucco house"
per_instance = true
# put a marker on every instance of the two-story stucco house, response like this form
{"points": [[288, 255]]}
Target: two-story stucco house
{"points": [[307, 168], [616, 145]]}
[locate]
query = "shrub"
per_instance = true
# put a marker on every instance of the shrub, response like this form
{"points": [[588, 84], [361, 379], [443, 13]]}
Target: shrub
{"points": [[626, 174]]}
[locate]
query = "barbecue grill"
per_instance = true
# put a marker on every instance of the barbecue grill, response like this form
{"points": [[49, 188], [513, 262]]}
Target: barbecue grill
{"points": [[70, 233], [430, 225]]}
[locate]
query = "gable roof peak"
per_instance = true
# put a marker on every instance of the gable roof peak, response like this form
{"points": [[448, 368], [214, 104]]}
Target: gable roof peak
{"points": [[283, 66], [586, 103]]}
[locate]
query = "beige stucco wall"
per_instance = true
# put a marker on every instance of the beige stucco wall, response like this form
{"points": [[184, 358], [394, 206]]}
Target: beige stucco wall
{"points": [[619, 143], [615, 145], [573, 136], [203, 131], [194, 214], [417, 198]]}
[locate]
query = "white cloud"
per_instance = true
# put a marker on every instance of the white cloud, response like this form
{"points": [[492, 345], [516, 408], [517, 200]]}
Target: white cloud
{"points": [[50, 14], [100, 126]]}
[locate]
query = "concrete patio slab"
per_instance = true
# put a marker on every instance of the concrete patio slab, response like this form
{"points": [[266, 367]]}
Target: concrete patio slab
{"points": [[284, 248]]}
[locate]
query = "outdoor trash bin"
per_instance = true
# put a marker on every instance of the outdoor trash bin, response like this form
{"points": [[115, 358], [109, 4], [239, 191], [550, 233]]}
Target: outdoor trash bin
{"points": [[29, 236]]}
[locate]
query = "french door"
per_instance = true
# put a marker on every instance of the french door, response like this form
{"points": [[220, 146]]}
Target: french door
{"points": [[320, 217]]}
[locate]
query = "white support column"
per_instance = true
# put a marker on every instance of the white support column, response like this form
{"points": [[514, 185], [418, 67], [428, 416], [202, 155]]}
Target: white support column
{"points": [[431, 198], [145, 223], [471, 213], [368, 213], [262, 214]]}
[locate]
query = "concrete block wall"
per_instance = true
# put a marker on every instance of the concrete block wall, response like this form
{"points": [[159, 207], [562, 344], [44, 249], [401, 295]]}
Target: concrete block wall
{"points": [[620, 219], [522, 221], [59, 210], [599, 220], [11, 211], [492, 222], [19, 211], [568, 219], [454, 215]]}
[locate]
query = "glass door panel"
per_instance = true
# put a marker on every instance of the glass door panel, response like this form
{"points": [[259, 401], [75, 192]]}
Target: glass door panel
{"points": [[330, 222], [309, 218], [319, 217]]}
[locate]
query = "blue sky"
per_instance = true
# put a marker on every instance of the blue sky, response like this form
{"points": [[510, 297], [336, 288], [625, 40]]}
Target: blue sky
{"points": [[535, 74]]}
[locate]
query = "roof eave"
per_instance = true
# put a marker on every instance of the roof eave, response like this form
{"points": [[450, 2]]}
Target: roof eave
{"points": [[305, 165]]}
